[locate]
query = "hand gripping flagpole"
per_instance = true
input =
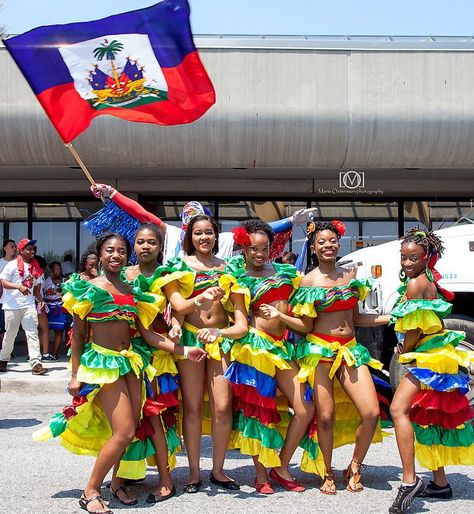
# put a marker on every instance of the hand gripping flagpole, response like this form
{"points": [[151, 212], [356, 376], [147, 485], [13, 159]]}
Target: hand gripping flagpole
{"points": [[76, 156]]}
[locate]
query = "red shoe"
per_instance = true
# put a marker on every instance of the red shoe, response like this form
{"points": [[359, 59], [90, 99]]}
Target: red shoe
{"points": [[265, 488], [289, 485]]}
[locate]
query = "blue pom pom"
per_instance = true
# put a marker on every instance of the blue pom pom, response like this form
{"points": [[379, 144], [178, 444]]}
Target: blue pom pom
{"points": [[112, 218]]}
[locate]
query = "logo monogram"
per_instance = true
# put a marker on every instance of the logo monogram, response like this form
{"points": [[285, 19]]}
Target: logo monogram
{"points": [[351, 179]]}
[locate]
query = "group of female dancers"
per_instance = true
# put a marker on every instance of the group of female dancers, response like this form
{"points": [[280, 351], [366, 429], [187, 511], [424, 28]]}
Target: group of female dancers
{"points": [[200, 345]]}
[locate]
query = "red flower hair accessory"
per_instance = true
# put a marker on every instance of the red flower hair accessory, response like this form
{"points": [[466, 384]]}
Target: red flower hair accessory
{"points": [[339, 226], [241, 236]]}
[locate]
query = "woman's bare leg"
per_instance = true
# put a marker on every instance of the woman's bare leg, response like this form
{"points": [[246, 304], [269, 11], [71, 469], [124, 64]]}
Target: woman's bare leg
{"points": [[260, 471], [400, 410], [191, 379], [439, 477], [220, 397], [359, 386], [165, 483], [115, 401], [325, 408], [134, 386], [293, 389]]}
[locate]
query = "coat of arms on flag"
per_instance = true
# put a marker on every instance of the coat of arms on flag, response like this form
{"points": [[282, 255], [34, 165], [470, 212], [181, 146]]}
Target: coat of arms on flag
{"points": [[140, 66], [117, 70]]}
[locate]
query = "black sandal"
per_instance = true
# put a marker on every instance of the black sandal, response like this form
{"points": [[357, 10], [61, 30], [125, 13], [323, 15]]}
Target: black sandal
{"points": [[192, 488], [125, 492], [231, 485], [84, 502]]}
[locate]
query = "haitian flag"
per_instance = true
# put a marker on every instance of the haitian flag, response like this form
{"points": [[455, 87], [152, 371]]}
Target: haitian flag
{"points": [[140, 66]]}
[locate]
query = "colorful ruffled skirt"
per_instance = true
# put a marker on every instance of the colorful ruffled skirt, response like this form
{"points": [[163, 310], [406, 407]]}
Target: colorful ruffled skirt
{"points": [[337, 351], [261, 416], [440, 413], [83, 428], [165, 402]]}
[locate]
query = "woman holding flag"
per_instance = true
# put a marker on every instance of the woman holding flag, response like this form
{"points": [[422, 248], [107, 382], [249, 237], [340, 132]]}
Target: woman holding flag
{"points": [[162, 403], [125, 215]]}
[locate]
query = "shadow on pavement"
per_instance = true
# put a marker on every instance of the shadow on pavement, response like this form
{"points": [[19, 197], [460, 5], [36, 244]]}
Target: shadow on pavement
{"points": [[19, 423]]}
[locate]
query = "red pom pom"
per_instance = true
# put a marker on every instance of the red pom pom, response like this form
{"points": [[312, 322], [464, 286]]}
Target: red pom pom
{"points": [[241, 236], [339, 226]]}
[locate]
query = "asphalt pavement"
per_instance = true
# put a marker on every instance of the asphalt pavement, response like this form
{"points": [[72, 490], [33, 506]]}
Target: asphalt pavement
{"points": [[45, 478]]}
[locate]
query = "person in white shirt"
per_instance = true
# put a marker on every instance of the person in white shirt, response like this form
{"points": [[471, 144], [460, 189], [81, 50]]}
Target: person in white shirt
{"points": [[68, 266], [9, 253], [52, 294], [20, 280]]}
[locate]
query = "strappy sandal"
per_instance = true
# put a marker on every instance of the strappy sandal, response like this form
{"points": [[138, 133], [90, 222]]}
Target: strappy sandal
{"points": [[353, 478], [84, 502], [132, 501], [329, 484]]}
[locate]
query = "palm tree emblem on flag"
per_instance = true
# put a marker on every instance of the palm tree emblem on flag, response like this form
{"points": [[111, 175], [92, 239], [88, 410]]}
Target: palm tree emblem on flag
{"points": [[119, 88], [141, 66]]}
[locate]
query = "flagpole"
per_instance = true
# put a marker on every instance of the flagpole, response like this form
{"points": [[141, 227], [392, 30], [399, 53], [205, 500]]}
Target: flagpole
{"points": [[76, 156]]}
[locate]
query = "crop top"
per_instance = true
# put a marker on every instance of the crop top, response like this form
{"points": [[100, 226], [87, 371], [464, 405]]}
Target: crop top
{"points": [[309, 301], [163, 275], [422, 314], [204, 279], [94, 304], [279, 286]]}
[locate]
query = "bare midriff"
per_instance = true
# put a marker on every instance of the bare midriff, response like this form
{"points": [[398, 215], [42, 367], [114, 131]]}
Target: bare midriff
{"points": [[274, 326], [337, 323], [114, 335], [215, 317]]}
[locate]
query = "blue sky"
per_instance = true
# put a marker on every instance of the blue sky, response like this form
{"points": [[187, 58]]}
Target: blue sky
{"points": [[317, 17]]}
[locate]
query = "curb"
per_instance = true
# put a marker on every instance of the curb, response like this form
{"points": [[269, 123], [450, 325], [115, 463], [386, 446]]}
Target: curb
{"points": [[40, 385], [18, 378]]}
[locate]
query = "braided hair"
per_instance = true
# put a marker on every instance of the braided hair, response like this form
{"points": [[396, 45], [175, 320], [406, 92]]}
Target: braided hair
{"points": [[425, 238], [434, 248]]}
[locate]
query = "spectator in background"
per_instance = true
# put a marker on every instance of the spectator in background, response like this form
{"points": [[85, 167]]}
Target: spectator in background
{"points": [[68, 266], [89, 265], [289, 258], [21, 284], [9, 253], [43, 327], [52, 294]]}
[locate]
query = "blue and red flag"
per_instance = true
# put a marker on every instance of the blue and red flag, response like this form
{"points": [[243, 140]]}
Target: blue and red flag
{"points": [[140, 66]]}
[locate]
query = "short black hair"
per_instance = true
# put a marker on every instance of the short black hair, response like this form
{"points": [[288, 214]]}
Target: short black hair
{"points": [[113, 235], [188, 246], [68, 257], [54, 263], [152, 227], [254, 225], [5, 244]]}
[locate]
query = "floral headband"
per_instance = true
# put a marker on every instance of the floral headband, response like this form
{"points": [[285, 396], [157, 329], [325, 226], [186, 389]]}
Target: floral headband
{"points": [[241, 236], [337, 225]]}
